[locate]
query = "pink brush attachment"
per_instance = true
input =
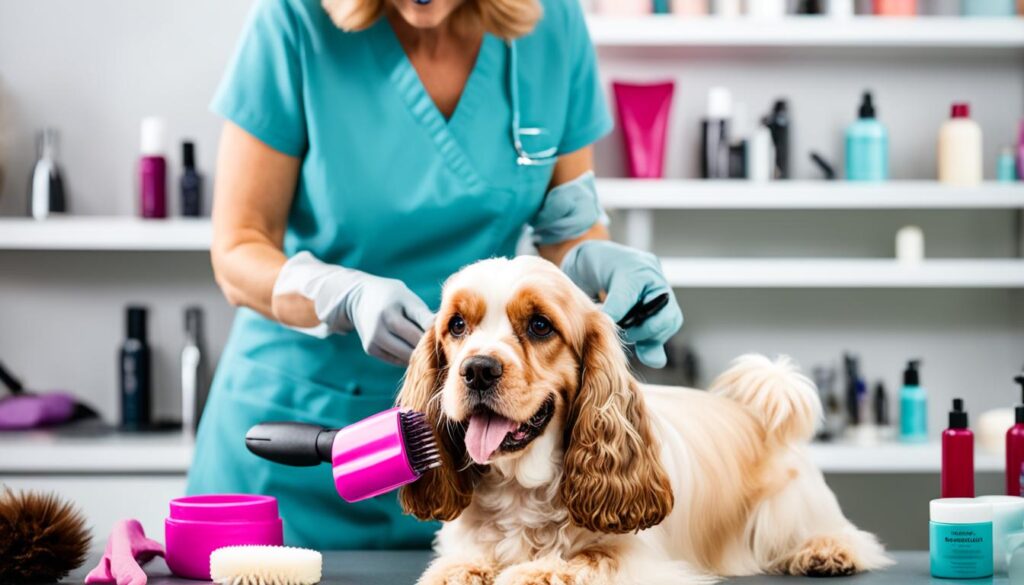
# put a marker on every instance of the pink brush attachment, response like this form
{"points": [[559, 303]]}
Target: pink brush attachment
{"points": [[199, 525], [373, 456]]}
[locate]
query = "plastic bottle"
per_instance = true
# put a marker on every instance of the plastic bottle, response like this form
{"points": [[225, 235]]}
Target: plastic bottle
{"points": [[715, 134], [896, 7], [867, 145], [766, 8], [840, 8], [191, 182], [136, 381], [958, 455], [153, 169], [1015, 447], [728, 8], [1020, 147], [960, 159], [690, 7], [1006, 167], [913, 406], [988, 8]]}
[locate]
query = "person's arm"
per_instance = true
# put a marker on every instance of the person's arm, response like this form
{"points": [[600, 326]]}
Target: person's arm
{"points": [[252, 195], [568, 168]]}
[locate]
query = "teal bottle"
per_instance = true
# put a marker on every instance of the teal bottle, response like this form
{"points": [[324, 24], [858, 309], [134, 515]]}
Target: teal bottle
{"points": [[988, 7], [913, 406], [867, 146]]}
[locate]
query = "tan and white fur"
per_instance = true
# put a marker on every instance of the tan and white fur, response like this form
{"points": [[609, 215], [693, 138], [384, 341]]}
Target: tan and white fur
{"points": [[627, 483]]}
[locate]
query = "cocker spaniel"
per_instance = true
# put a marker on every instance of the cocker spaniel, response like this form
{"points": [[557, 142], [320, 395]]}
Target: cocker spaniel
{"points": [[559, 468]]}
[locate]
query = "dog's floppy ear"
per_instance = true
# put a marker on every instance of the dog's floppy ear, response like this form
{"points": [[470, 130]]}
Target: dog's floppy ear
{"points": [[443, 492], [613, 479]]}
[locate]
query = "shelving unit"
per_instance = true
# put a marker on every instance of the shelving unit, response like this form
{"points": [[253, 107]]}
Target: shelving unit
{"points": [[950, 33], [92, 233], [663, 194]]}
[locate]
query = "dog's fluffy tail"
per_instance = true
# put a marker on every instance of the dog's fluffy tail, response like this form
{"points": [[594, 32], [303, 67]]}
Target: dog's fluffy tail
{"points": [[776, 392]]}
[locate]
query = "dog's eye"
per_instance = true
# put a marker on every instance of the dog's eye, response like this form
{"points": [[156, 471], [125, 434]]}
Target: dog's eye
{"points": [[457, 325], [539, 326]]}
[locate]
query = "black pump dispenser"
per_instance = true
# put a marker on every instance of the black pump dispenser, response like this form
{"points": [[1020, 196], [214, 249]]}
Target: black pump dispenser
{"points": [[1018, 412], [867, 106], [958, 416], [911, 375]]}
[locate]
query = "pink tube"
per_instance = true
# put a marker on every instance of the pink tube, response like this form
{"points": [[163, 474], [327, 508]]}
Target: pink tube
{"points": [[643, 116]]}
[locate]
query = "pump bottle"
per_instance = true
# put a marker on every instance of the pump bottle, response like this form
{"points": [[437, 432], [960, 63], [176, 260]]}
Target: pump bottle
{"points": [[913, 406], [867, 145], [1015, 447], [960, 148], [958, 455]]}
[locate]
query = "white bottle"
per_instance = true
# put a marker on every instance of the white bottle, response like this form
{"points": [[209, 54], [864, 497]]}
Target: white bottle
{"points": [[760, 155], [910, 245], [840, 8], [727, 8], [960, 159], [766, 8]]}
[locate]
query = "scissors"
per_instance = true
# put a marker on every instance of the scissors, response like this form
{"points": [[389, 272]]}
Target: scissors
{"points": [[642, 311]]}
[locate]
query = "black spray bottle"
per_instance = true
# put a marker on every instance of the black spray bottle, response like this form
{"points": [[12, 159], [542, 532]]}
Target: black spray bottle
{"points": [[778, 122], [191, 182], [136, 390]]}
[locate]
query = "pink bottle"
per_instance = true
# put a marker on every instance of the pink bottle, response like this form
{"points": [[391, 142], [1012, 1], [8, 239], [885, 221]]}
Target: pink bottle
{"points": [[896, 7], [958, 455], [153, 169], [1020, 150], [1015, 447]]}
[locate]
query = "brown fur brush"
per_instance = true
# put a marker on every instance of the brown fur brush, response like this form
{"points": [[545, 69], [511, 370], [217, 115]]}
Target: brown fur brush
{"points": [[42, 538]]}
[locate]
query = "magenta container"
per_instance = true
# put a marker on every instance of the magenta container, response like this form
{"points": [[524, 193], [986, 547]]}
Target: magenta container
{"points": [[199, 525], [643, 111], [153, 187], [369, 458]]}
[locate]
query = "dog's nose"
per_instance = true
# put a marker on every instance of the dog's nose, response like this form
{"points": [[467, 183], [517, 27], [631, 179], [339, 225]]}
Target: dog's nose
{"points": [[480, 372]]}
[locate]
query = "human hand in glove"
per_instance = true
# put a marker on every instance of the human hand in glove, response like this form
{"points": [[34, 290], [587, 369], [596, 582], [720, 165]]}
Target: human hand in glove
{"points": [[389, 318], [627, 276]]}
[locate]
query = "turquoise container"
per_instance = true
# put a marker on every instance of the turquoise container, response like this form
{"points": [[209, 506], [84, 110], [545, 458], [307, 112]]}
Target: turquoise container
{"points": [[661, 7], [867, 146], [913, 405], [1006, 168], [960, 538], [988, 7]]}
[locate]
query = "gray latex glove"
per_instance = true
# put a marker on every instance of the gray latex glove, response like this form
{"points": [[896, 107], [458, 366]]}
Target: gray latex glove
{"points": [[627, 276], [389, 318]]}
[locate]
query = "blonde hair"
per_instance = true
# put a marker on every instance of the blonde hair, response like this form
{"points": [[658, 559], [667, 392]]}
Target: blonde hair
{"points": [[505, 19]]}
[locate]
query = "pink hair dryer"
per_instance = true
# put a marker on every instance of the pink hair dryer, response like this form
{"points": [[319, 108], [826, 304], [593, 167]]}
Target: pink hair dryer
{"points": [[373, 456]]}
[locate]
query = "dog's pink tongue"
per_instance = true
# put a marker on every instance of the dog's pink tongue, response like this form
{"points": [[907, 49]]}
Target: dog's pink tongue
{"points": [[485, 433]]}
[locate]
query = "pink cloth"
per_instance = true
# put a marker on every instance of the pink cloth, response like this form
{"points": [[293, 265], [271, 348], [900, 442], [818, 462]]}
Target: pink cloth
{"points": [[127, 550]]}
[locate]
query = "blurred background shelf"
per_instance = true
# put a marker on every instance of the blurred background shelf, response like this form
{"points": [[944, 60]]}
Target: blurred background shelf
{"points": [[171, 454], [92, 233], [813, 32], [629, 194], [842, 273]]}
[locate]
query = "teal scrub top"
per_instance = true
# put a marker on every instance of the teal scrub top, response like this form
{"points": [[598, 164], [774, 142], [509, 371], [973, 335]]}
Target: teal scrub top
{"points": [[388, 186]]}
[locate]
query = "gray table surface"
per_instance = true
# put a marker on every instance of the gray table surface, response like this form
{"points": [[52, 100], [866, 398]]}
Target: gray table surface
{"points": [[403, 567]]}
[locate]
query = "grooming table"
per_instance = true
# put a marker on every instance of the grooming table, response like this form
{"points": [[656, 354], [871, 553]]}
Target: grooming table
{"points": [[403, 567]]}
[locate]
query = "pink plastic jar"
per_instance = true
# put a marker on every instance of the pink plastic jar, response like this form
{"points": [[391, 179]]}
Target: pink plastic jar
{"points": [[199, 525]]}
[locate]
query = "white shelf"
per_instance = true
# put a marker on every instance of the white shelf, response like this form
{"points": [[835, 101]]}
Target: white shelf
{"points": [[699, 194], [841, 273], [46, 452], [42, 452], [105, 233], [809, 32], [892, 457]]}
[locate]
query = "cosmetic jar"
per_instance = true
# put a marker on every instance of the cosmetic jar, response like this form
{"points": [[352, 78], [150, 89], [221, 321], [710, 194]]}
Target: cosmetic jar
{"points": [[1007, 519], [199, 525], [960, 538]]}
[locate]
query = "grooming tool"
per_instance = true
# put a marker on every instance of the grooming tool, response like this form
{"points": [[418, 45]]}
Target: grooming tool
{"points": [[373, 456], [643, 310], [28, 410], [128, 549], [42, 537], [265, 565], [827, 170], [199, 525]]}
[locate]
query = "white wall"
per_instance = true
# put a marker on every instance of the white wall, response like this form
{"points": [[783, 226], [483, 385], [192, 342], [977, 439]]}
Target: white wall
{"points": [[93, 69]]}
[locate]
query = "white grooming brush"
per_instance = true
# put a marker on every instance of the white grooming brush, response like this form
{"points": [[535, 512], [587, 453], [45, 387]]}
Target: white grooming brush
{"points": [[265, 565]]}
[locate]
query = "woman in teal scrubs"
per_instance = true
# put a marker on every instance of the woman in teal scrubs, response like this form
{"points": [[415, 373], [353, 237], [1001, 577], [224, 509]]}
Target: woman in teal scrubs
{"points": [[372, 148]]}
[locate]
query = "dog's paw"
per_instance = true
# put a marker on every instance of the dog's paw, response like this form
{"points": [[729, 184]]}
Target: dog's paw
{"points": [[443, 572], [538, 573], [823, 556]]}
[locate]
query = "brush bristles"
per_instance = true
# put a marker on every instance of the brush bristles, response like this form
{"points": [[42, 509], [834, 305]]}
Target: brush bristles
{"points": [[42, 538], [420, 444], [265, 565]]}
